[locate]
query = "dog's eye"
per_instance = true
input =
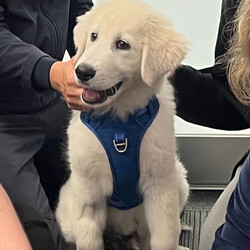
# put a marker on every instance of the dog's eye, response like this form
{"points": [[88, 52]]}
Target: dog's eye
{"points": [[93, 36], [122, 45]]}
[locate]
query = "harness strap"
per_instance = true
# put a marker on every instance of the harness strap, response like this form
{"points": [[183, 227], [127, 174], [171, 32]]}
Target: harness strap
{"points": [[121, 141]]}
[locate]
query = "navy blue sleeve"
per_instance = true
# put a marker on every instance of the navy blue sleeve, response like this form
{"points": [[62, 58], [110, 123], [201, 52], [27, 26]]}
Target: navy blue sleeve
{"points": [[235, 232], [77, 8], [20, 60]]}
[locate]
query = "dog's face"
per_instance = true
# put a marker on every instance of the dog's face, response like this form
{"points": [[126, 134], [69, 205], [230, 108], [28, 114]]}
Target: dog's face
{"points": [[122, 44], [110, 59]]}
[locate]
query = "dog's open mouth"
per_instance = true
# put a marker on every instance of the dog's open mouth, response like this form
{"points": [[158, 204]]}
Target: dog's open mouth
{"points": [[93, 96]]}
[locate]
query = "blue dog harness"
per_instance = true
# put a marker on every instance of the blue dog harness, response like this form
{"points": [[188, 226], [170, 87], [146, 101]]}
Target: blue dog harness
{"points": [[122, 141]]}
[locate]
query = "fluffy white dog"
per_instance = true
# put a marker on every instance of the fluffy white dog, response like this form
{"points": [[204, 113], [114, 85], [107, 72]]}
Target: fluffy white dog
{"points": [[125, 51]]}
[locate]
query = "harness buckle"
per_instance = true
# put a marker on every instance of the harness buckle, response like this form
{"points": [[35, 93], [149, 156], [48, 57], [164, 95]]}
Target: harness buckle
{"points": [[120, 143]]}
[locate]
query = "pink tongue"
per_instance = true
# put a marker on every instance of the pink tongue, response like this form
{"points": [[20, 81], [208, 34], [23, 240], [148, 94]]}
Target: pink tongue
{"points": [[91, 95]]}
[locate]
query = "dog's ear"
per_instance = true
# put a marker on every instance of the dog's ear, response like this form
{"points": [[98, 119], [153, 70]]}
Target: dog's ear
{"points": [[80, 34], [163, 50]]}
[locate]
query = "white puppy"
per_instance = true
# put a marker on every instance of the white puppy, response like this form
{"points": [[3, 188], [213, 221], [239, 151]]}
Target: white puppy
{"points": [[125, 50]]}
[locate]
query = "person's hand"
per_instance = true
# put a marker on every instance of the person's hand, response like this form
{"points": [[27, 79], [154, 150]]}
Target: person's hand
{"points": [[62, 80]]}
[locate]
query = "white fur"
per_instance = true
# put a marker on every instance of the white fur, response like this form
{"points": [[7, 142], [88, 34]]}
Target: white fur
{"points": [[156, 50]]}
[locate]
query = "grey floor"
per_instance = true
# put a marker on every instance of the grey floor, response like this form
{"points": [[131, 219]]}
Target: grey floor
{"points": [[197, 209]]}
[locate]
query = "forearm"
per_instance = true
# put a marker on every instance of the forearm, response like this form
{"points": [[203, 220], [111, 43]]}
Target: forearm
{"points": [[200, 101], [21, 62], [12, 235]]}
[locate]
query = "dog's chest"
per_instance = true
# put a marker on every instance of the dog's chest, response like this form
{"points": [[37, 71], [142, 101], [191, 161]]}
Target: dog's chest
{"points": [[121, 141]]}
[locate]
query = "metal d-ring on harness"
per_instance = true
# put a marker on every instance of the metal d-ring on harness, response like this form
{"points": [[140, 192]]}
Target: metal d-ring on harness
{"points": [[121, 141]]}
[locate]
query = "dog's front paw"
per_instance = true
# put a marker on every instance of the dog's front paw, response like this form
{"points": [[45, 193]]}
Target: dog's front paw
{"points": [[183, 248], [171, 248], [88, 235], [90, 244], [163, 246]]}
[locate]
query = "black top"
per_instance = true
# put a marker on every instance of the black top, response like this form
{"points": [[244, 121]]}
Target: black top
{"points": [[203, 96]]}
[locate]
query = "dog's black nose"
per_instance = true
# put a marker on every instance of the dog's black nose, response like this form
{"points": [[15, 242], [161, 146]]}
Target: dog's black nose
{"points": [[84, 72]]}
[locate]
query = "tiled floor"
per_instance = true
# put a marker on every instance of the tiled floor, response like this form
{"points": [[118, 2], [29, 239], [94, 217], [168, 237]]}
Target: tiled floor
{"points": [[197, 209]]}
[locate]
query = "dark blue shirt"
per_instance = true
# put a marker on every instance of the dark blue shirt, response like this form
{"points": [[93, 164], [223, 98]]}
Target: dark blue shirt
{"points": [[33, 35], [234, 234]]}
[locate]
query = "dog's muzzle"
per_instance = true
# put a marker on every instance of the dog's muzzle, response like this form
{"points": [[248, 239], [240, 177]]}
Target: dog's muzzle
{"points": [[92, 96]]}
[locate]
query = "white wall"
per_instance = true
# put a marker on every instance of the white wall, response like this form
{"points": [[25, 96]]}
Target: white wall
{"points": [[198, 21]]}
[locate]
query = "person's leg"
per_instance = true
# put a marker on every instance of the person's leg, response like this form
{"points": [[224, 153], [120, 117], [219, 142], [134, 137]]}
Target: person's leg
{"points": [[234, 233], [217, 214], [35, 226], [21, 137], [51, 160]]}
